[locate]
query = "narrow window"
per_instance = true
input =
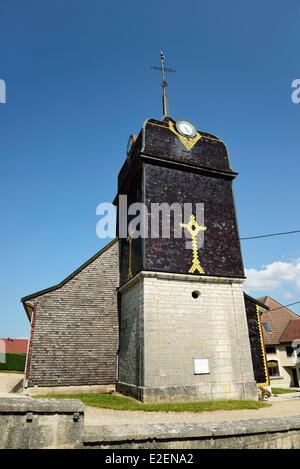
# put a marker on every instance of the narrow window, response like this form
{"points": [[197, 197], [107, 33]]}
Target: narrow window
{"points": [[273, 368]]}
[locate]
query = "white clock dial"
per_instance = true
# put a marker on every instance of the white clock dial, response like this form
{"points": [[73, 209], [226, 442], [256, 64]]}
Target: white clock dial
{"points": [[186, 128]]}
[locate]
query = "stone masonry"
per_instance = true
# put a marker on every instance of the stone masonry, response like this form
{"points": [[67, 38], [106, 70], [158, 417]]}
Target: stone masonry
{"points": [[163, 328]]}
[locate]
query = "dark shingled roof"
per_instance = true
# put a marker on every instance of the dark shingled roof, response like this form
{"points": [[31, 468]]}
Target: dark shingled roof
{"points": [[291, 332]]}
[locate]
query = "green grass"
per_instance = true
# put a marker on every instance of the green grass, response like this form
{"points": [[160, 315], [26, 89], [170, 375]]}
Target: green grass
{"points": [[117, 402], [282, 390], [12, 371]]}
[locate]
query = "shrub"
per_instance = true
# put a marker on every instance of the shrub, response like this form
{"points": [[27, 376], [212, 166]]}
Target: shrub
{"points": [[14, 362]]}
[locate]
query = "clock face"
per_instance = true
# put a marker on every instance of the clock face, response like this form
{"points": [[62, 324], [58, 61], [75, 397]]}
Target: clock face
{"points": [[186, 128], [129, 145]]}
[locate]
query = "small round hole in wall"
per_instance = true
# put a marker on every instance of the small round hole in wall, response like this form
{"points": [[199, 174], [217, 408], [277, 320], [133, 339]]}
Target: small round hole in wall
{"points": [[195, 294]]}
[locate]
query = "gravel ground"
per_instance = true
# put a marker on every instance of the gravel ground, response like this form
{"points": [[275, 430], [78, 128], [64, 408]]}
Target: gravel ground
{"points": [[8, 381], [283, 405]]}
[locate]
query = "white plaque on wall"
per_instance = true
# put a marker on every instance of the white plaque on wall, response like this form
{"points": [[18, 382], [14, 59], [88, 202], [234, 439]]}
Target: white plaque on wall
{"points": [[201, 366]]}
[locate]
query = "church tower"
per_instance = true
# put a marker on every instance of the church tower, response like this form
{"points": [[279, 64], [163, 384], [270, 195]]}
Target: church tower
{"points": [[183, 331]]}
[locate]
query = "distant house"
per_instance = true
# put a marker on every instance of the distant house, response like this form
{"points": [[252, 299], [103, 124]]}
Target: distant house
{"points": [[14, 345], [281, 330]]}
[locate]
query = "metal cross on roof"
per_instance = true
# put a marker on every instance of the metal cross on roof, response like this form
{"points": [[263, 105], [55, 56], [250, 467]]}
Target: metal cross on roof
{"points": [[164, 84]]}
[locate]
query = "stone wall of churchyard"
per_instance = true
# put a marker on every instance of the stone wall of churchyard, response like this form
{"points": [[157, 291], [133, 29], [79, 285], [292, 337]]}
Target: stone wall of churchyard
{"points": [[269, 433]]}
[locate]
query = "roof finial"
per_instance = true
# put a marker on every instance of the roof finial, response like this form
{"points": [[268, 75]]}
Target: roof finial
{"points": [[164, 84]]}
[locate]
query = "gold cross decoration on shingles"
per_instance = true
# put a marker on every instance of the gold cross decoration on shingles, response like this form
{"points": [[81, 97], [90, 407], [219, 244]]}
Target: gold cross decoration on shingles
{"points": [[187, 141], [193, 228], [131, 232]]}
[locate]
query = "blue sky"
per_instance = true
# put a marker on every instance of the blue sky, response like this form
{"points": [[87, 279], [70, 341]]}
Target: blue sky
{"points": [[79, 83]]}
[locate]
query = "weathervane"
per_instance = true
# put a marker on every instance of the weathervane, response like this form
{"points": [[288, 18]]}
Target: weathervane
{"points": [[164, 84]]}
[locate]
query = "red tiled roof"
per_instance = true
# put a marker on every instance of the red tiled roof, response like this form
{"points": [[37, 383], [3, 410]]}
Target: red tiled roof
{"points": [[14, 345], [277, 318], [291, 332]]}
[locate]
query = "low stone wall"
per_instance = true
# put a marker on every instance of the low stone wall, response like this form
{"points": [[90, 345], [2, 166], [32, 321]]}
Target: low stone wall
{"points": [[27, 423], [276, 433]]}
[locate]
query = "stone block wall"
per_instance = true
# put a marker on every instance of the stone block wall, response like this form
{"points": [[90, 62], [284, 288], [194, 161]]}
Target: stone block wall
{"points": [[176, 328]]}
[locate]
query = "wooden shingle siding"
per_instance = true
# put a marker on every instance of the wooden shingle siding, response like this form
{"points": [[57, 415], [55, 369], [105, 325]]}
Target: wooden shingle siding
{"points": [[76, 328]]}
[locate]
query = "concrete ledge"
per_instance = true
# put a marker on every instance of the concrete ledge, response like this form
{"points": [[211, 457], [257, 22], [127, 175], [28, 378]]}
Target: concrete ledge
{"points": [[252, 433], [27, 423], [181, 277], [94, 389], [40, 406], [123, 433]]}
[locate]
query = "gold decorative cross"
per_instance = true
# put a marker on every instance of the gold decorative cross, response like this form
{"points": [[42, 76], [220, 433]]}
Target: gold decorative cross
{"points": [[193, 228]]}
